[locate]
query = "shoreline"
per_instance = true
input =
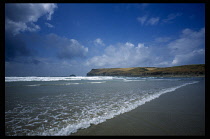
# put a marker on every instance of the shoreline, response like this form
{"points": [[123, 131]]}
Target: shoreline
{"points": [[180, 112]]}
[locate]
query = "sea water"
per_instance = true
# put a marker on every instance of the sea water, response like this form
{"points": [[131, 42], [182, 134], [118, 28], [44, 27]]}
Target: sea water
{"points": [[62, 105]]}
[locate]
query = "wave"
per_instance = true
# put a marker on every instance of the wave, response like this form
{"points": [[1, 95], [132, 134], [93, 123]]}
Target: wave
{"points": [[126, 80], [34, 85], [79, 78], [33, 78], [96, 82], [107, 113], [59, 84]]}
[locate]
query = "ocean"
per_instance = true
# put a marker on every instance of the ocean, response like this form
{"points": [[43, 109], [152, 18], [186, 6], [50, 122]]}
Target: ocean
{"points": [[63, 105]]}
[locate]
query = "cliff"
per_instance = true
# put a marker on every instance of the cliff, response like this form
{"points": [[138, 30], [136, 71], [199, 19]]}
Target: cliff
{"points": [[176, 71]]}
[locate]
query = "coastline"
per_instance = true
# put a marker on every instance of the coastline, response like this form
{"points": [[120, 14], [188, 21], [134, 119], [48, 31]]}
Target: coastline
{"points": [[195, 70], [168, 76], [181, 112]]}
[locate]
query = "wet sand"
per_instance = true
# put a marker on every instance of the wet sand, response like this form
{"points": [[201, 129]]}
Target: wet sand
{"points": [[181, 112]]}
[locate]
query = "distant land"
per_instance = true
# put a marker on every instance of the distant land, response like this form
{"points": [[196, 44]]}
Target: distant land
{"points": [[196, 70]]}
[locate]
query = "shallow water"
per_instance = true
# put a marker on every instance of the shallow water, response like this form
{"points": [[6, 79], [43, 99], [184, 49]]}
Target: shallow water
{"points": [[62, 105]]}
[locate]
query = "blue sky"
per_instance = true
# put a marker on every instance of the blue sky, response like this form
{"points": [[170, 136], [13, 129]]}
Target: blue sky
{"points": [[62, 39]]}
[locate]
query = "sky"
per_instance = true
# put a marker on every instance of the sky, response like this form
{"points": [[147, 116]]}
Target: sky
{"points": [[60, 39]]}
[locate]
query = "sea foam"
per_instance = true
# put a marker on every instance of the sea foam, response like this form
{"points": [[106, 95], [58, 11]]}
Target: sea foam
{"points": [[107, 113], [16, 79]]}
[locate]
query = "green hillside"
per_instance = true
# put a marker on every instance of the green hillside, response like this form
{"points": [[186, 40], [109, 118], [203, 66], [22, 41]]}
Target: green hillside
{"points": [[176, 71]]}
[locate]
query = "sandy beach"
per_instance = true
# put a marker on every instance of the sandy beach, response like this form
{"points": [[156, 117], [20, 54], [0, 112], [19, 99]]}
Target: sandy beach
{"points": [[181, 112]]}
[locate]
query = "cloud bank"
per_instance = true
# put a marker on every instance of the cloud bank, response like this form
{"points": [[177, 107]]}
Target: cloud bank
{"points": [[188, 48], [121, 55]]}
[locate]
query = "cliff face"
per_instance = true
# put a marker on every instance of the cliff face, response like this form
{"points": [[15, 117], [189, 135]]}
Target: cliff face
{"points": [[176, 71]]}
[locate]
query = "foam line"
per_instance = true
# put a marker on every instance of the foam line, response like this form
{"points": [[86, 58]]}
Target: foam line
{"points": [[127, 106]]}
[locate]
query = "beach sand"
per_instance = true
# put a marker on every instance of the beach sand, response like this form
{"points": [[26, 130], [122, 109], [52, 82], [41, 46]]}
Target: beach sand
{"points": [[181, 112]]}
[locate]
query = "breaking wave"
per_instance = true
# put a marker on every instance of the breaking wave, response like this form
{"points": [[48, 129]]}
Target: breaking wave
{"points": [[62, 108]]}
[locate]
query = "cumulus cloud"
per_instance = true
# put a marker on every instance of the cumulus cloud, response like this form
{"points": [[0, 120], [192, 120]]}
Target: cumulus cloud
{"points": [[122, 55], [22, 17], [73, 49], [66, 48], [188, 41], [99, 42], [189, 47], [16, 27], [195, 57]]}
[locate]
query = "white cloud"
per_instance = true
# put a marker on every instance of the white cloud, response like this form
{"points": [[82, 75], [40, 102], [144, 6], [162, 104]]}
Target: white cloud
{"points": [[50, 10], [188, 41], [99, 41], [122, 55], [171, 17], [189, 47], [153, 21], [129, 45], [21, 17], [144, 20], [49, 25], [193, 57], [15, 27]]}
